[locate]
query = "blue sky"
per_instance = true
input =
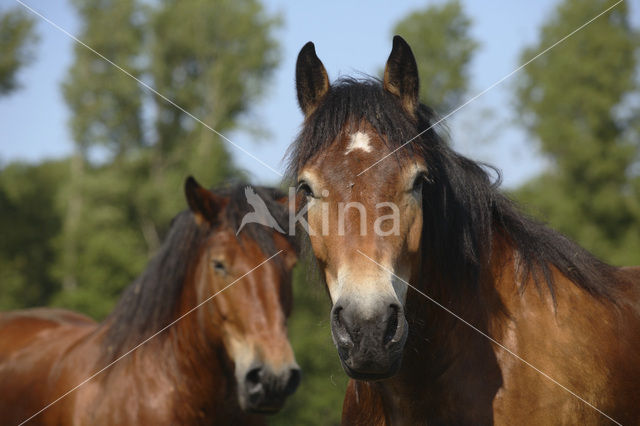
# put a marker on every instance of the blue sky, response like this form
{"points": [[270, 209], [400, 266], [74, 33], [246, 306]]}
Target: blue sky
{"points": [[350, 37]]}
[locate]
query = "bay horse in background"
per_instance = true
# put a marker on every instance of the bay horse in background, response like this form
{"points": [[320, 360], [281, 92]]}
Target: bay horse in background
{"points": [[227, 362], [460, 242]]}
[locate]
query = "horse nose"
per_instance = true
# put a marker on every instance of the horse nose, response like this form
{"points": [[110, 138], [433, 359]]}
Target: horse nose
{"points": [[266, 390], [369, 338], [350, 326]]}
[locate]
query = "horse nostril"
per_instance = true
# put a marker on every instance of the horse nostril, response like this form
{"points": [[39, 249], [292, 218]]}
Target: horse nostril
{"points": [[253, 381], [392, 323], [340, 327], [336, 314], [293, 382]]}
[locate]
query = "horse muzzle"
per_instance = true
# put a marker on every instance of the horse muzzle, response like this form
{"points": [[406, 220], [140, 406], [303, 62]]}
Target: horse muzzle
{"points": [[264, 391], [370, 339]]}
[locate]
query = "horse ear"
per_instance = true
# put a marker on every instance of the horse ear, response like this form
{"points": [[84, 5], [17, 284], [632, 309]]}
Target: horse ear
{"points": [[204, 204], [312, 81], [401, 75]]}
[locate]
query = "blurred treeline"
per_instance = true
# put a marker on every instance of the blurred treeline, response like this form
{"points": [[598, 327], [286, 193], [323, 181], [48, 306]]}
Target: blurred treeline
{"points": [[75, 232]]}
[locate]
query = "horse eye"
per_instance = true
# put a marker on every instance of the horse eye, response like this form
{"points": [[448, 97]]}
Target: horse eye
{"points": [[418, 183], [219, 267], [305, 189]]}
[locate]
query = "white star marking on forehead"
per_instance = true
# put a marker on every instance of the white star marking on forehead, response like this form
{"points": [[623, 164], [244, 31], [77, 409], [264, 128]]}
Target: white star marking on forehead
{"points": [[359, 140]]}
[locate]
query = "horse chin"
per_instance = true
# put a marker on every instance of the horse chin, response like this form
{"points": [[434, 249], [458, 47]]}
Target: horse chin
{"points": [[260, 407], [372, 376]]}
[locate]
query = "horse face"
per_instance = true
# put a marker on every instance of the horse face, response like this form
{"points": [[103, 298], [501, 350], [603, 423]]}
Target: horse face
{"points": [[365, 228], [249, 312], [252, 315], [365, 233]]}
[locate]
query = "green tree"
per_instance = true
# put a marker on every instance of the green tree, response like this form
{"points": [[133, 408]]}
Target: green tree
{"points": [[30, 221], [440, 40], [106, 108], [134, 149], [215, 67], [573, 101], [17, 39], [106, 104]]}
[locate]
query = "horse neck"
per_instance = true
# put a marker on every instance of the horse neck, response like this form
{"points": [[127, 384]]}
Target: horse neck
{"points": [[445, 356], [440, 333], [186, 358]]}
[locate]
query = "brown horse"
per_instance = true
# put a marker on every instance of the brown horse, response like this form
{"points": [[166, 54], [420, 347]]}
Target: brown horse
{"points": [[509, 323], [227, 362]]}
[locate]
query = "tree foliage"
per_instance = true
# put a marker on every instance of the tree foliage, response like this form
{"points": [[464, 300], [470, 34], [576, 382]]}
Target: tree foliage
{"points": [[30, 222], [133, 148], [574, 101], [440, 40], [17, 39], [106, 104]]}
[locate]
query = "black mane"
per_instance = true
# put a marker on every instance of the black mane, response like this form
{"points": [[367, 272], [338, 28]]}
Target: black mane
{"points": [[150, 302], [464, 209]]}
